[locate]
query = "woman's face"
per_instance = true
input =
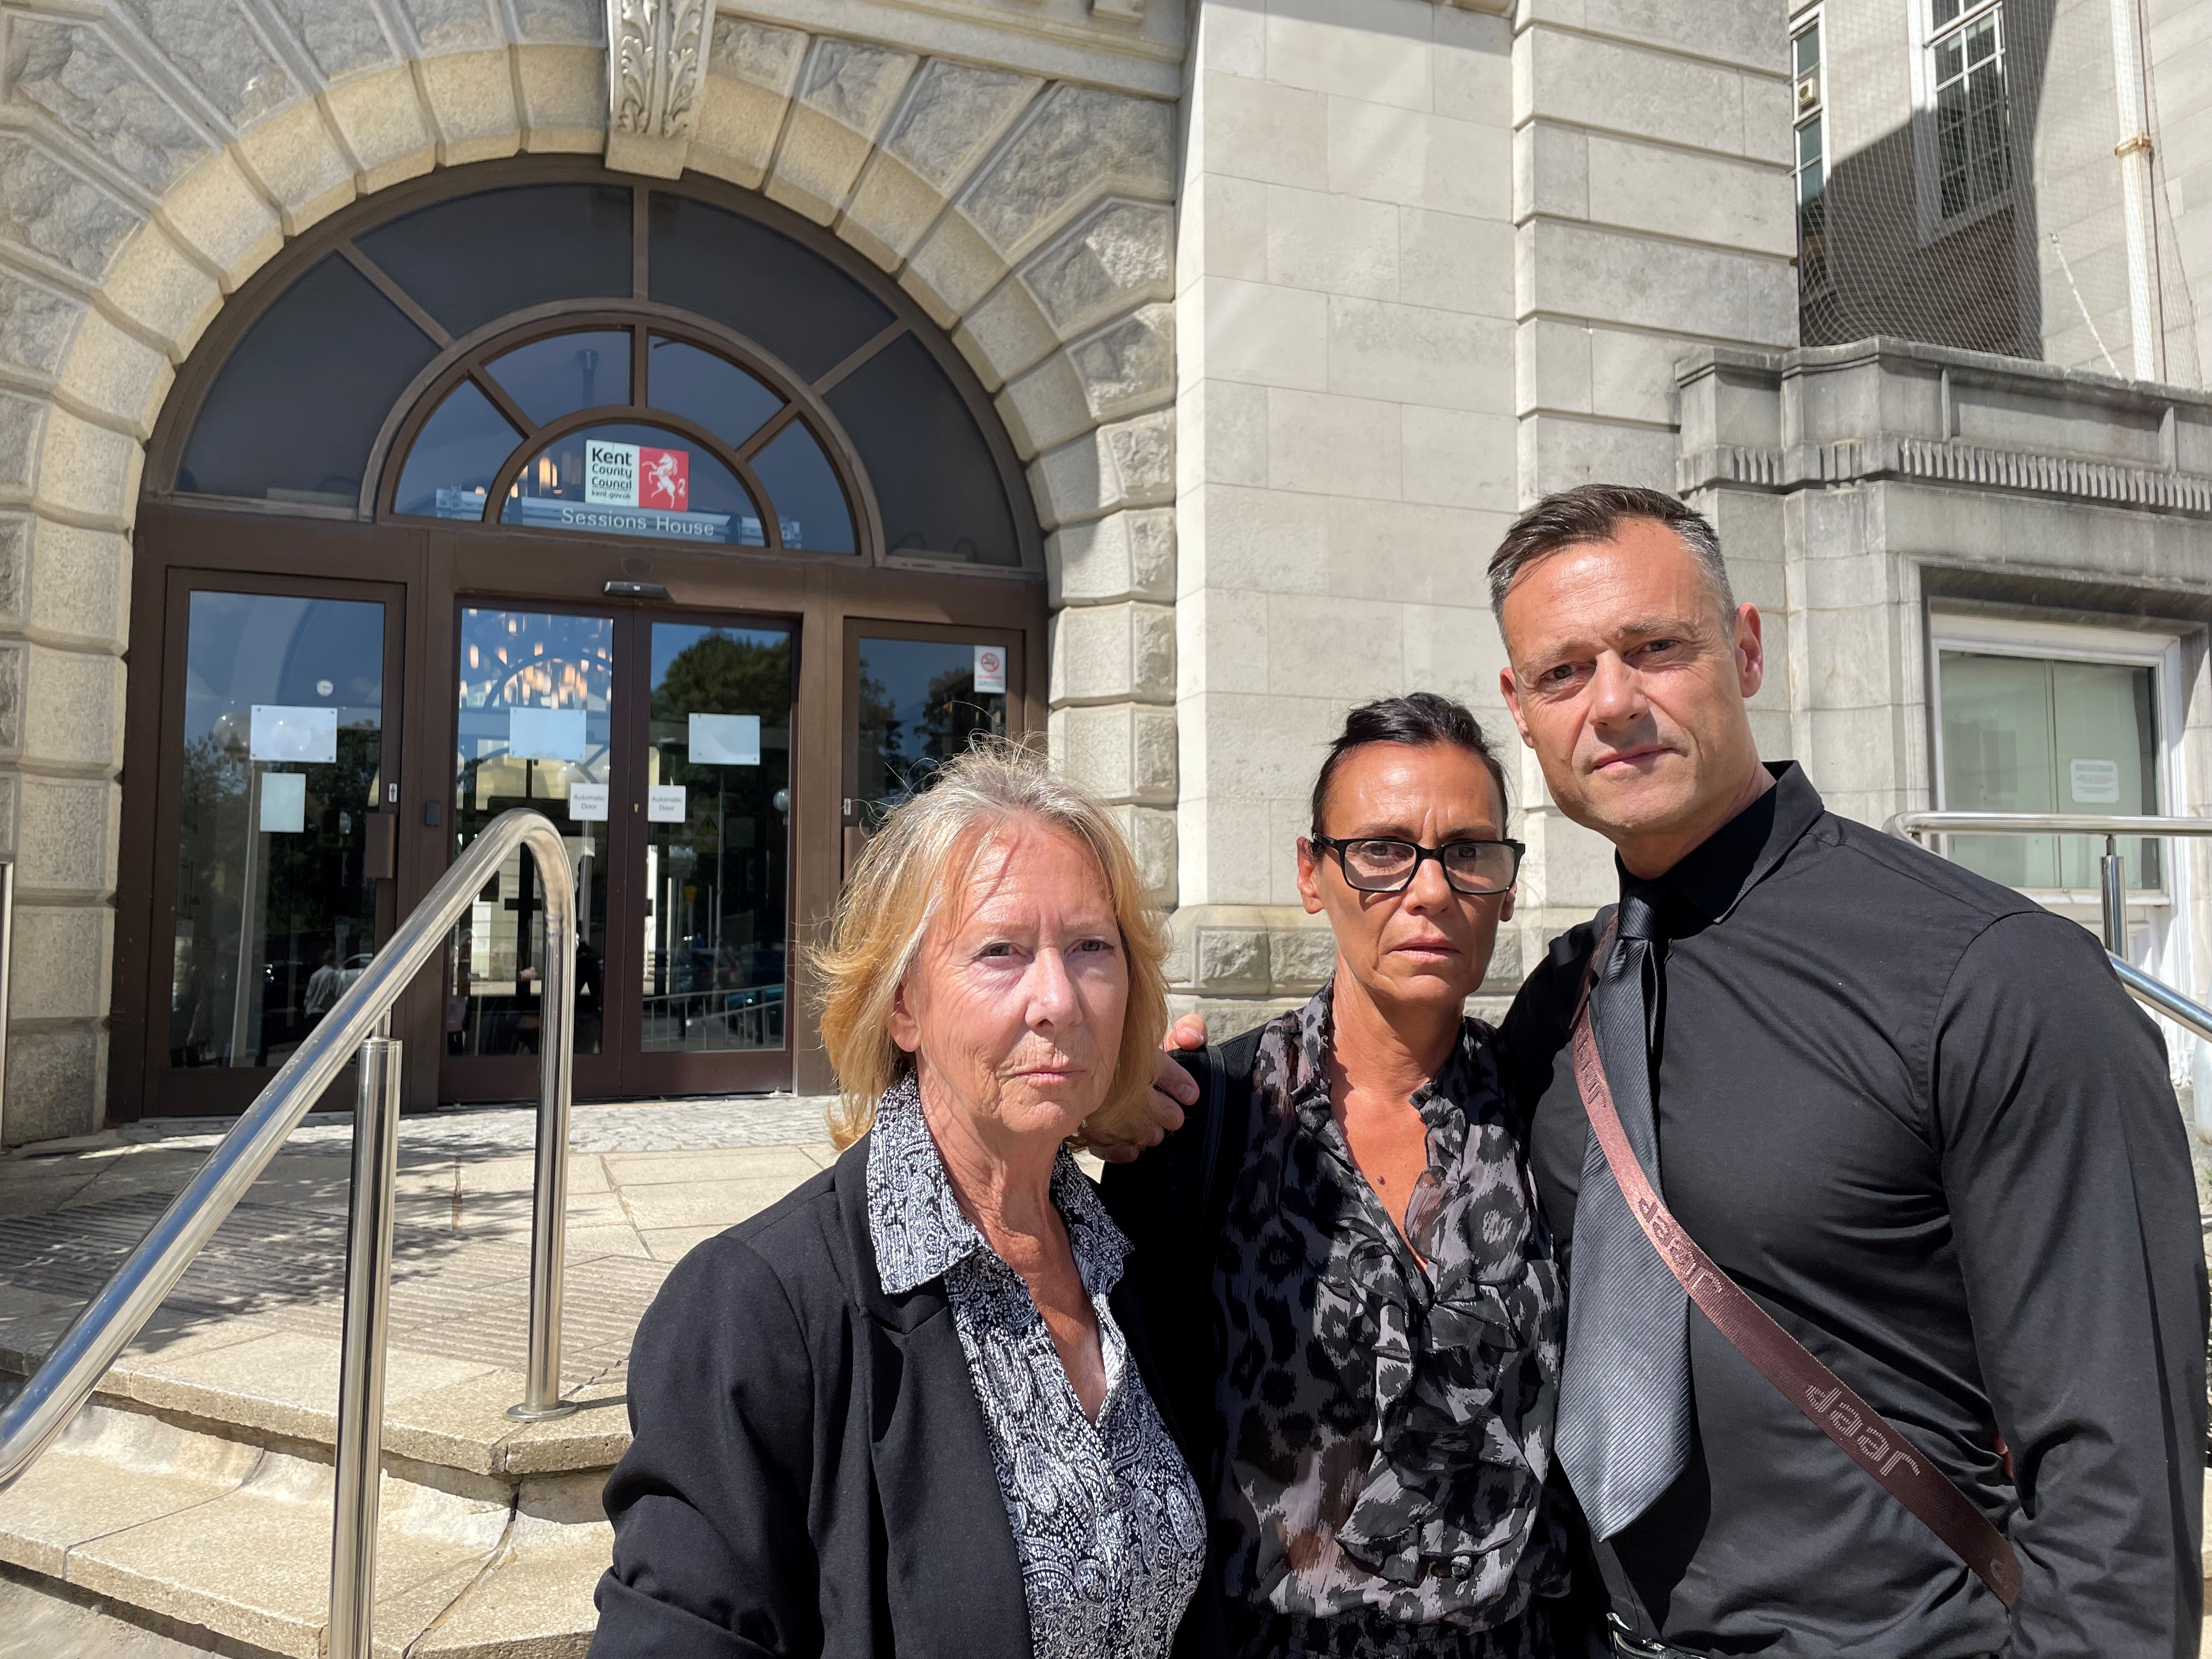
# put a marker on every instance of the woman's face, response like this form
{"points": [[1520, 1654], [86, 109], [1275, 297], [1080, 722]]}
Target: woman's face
{"points": [[1428, 943], [1013, 1009]]}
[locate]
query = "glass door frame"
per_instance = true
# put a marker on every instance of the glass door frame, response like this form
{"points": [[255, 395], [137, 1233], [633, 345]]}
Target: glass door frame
{"points": [[483, 1078], [224, 1090], [739, 1071], [622, 1068]]}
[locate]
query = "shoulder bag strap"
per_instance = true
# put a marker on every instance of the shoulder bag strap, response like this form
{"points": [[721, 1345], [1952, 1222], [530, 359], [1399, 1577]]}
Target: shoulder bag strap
{"points": [[1895, 1464]]}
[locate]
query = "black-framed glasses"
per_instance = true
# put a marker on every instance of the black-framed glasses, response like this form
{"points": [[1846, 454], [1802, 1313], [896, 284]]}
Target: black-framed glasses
{"points": [[1377, 864]]}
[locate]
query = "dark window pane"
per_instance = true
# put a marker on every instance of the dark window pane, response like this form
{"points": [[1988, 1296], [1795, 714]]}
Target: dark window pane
{"points": [[552, 242], [293, 412], [804, 491], [625, 479], [919, 708], [1808, 49], [460, 449], [808, 313], [941, 495], [558, 376], [710, 390]]}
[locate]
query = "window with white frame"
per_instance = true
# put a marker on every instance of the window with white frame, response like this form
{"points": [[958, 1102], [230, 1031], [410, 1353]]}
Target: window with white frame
{"points": [[1966, 84], [1810, 169], [2053, 718]]}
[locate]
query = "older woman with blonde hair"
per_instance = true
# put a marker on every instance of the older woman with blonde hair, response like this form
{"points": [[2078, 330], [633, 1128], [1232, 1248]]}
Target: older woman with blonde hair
{"points": [[909, 1407]]}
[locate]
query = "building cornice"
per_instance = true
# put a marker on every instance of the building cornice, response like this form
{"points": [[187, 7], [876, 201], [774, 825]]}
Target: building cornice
{"points": [[1890, 455]]}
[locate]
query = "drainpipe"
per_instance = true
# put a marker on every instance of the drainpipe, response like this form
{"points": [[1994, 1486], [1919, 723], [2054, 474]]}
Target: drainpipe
{"points": [[2133, 151]]}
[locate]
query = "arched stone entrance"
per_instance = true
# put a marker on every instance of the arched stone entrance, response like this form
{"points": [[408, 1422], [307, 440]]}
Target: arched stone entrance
{"points": [[160, 170]]}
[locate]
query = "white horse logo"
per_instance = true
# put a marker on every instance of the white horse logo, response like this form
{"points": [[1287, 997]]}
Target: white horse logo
{"points": [[661, 479]]}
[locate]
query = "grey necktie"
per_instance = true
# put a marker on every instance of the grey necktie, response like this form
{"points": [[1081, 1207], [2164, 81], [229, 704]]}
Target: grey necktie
{"points": [[1624, 1431]]}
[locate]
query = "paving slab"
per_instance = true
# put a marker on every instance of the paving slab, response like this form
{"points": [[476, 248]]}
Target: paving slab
{"points": [[39, 1622]]}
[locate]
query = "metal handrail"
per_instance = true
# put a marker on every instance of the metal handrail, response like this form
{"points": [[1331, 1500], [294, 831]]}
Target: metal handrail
{"points": [[2040, 823], [359, 1021], [2151, 993], [2111, 885], [2157, 993]]}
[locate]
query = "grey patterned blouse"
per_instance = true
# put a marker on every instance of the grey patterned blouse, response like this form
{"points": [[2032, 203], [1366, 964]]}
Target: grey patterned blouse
{"points": [[1389, 1426], [1107, 1523]]}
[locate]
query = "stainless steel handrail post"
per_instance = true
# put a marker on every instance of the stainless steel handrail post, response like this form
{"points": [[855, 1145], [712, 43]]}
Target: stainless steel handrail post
{"points": [[2111, 885], [557, 1054], [361, 1374], [53, 1394]]}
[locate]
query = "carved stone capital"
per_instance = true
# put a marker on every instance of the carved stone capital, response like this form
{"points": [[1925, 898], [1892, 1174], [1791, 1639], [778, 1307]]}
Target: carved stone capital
{"points": [[656, 75]]}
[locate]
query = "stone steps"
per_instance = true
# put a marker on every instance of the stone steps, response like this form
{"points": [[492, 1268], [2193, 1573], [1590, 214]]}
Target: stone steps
{"points": [[206, 1526]]}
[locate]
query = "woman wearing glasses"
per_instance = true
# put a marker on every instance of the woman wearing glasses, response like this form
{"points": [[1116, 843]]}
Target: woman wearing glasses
{"points": [[1341, 1250]]}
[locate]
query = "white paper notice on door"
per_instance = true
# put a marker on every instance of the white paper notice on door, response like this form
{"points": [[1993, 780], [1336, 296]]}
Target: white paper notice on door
{"points": [[726, 739], [664, 803], [545, 733], [280, 732], [283, 803], [2094, 783], [587, 803], [990, 668]]}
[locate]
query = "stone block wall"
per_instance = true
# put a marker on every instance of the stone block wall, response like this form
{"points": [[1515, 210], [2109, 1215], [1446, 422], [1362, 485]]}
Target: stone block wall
{"points": [[1653, 215], [1345, 368]]}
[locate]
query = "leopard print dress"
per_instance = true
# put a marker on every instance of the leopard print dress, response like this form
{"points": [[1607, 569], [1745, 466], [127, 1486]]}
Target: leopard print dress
{"points": [[1388, 1426]]}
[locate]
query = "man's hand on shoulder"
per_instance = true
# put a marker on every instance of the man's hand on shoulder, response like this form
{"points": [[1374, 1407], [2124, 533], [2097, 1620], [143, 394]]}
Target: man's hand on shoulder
{"points": [[1173, 1089]]}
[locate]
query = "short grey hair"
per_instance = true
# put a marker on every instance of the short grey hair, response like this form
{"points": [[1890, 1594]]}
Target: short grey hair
{"points": [[1595, 512]]}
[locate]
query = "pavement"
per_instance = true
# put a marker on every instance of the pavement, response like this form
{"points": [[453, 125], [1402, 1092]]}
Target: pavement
{"points": [[646, 1183]]}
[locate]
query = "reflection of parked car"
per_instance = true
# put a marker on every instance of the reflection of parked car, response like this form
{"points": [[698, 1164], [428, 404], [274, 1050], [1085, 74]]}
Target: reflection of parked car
{"points": [[355, 966]]}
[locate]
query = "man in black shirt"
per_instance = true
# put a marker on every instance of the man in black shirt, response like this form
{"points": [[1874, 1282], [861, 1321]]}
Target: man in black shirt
{"points": [[1912, 1114]]}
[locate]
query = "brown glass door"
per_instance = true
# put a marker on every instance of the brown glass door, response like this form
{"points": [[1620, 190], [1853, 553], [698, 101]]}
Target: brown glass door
{"points": [[708, 883], [918, 694], [661, 742], [279, 778]]}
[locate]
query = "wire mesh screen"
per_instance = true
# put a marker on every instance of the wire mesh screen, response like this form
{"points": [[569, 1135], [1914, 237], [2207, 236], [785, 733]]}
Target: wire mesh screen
{"points": [[1957, 182]]}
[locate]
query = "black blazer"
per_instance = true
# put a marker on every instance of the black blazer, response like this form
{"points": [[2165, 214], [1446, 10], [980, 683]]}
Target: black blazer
{"points": [[810, 1474]]}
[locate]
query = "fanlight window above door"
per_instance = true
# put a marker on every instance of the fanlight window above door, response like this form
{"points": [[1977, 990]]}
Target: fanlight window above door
{"points": [[625, 431], [583, 353]]}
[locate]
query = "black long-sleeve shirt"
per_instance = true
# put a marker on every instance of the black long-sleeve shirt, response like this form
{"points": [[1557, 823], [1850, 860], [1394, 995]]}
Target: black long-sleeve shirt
{"points": [[1916, 1118]]}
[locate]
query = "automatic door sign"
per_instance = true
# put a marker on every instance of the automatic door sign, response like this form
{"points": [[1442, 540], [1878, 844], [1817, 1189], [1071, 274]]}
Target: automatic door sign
{"points": [[664, 803], [587, 803], [990, 668]]}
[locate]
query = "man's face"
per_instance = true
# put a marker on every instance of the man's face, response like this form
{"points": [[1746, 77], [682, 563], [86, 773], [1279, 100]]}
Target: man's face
{"points": [[1629, 683]]}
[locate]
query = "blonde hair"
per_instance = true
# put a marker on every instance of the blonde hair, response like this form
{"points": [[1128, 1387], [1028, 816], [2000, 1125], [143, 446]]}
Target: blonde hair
{"points": [[899, 885]]}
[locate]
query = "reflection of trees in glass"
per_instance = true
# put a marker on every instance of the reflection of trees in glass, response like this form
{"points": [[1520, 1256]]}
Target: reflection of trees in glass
{"points": [[721, 675], [312, 896], [897, 768]]}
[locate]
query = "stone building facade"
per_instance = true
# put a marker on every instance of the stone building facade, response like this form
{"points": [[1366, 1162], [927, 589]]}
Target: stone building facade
{"points": [[1272, 314]]}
